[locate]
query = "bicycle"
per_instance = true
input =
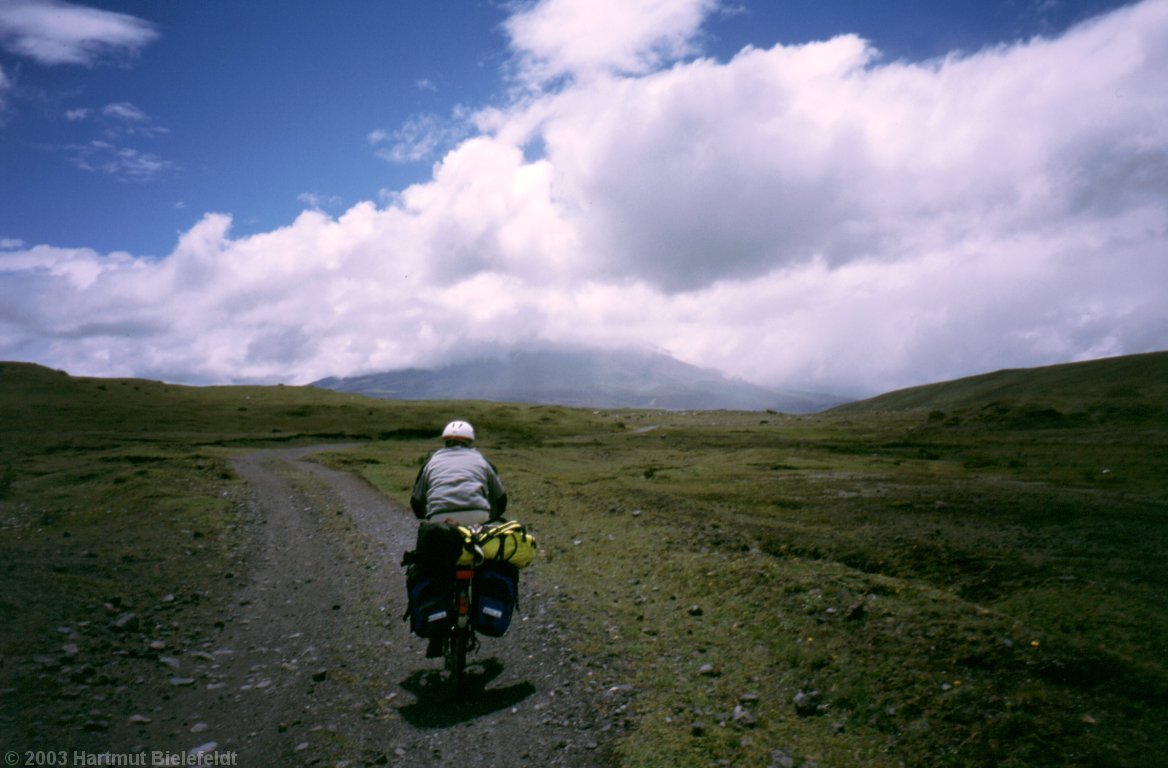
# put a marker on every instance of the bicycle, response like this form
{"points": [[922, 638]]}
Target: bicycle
{"points": [[464, 580]]}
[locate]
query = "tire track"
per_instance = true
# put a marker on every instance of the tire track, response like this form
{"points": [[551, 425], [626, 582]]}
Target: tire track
{"points": [[317, 668]]}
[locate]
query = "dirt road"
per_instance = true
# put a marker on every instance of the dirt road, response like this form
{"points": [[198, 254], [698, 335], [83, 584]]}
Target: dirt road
{"points": [[343, 680], [309, 663]]}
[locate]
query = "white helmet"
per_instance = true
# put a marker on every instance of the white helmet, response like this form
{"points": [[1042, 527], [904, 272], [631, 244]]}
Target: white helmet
{"points": [[461, 431]]}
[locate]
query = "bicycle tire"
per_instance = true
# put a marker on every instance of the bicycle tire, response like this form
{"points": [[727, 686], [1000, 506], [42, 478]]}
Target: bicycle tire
{"points": [[455, 649]]}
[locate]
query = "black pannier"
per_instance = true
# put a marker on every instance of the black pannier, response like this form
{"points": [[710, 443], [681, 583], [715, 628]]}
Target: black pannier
{"points": [[437, 549], [430, 578]]}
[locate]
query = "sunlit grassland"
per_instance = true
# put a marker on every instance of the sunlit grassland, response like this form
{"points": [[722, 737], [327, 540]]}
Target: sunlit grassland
{"points": [[959, 592], [974, 575]]}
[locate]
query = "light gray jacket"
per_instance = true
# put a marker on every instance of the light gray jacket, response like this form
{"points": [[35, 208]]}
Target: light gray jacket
{"points": [[458, 479]]}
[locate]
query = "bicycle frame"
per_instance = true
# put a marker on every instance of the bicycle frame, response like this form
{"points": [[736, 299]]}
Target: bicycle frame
{"points": [[461, 638]]}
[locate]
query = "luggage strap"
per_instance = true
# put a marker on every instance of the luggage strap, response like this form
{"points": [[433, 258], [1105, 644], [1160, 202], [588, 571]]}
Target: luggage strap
{"points": [[474, 536]]}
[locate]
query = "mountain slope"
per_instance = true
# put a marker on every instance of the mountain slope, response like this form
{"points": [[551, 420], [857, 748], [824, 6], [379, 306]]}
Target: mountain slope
{"points": [[1133, 385], [595, 379]]}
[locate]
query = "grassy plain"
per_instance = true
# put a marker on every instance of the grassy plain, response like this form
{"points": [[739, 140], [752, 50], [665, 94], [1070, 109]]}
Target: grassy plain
{"points": [[972, 574]]}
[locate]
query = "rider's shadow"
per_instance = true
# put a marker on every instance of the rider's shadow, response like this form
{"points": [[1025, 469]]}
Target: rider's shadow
{"points": [[439, 705]]}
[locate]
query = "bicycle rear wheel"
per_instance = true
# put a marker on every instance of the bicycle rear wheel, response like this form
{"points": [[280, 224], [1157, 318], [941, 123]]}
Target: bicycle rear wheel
{"points": [[454, 652]]}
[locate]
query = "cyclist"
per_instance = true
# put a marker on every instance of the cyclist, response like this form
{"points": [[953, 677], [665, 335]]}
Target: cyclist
{"points": [[458, 483]]}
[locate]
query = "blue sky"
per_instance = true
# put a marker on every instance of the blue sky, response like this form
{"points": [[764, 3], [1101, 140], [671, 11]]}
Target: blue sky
{"points": [[895, 192], [242, 110], [257, 113]]}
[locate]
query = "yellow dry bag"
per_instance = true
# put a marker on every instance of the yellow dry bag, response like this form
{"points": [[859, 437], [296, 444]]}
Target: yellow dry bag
{"points": [[508, 542]]}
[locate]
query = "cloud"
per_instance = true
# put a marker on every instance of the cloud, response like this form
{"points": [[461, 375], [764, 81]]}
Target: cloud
{"points": [[123, 119], [558, 38], [53, 33], [122, 123], [797, 215], [320, 202], [120, 162], [422, 137], [126, 111]]}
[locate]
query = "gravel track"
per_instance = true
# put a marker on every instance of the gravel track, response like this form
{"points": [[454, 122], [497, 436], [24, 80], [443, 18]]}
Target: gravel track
{"points": [[349, 684], [307, 662]]}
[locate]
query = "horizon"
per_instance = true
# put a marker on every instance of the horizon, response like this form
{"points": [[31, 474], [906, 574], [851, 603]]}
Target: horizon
{"points": [[844, 398], [799, 195]]}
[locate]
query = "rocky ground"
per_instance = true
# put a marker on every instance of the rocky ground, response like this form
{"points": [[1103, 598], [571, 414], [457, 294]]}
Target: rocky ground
{"points": [[307, 662]]}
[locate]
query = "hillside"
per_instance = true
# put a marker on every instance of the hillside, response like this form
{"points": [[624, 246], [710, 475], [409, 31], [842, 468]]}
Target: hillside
{"points": [[582, 378], [975, 581], [1129, 387]]}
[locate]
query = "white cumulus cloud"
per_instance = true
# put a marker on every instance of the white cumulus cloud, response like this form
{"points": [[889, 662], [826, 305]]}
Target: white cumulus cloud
{"points": [[555, 38], [798, 215]]}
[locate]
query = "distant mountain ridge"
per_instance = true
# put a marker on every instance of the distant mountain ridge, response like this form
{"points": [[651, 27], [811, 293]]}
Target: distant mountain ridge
{"points": [[582, 378]]}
